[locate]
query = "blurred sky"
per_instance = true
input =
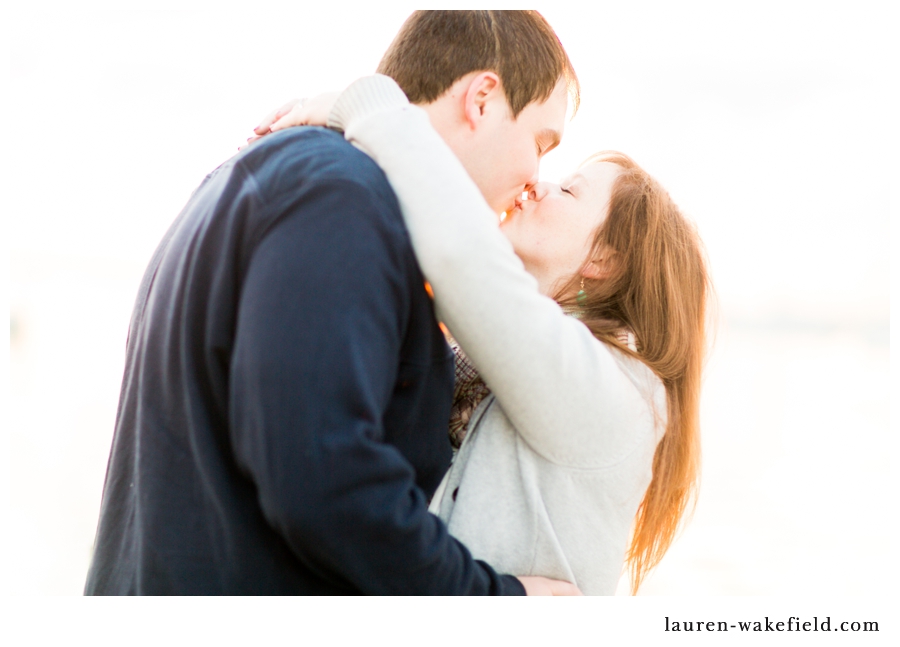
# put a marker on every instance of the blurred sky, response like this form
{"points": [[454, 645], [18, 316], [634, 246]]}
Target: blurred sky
{"points": [[765, 122], [770, 123]]}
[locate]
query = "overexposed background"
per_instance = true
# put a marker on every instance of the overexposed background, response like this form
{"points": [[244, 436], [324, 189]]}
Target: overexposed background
{"points": [[768, 123]]}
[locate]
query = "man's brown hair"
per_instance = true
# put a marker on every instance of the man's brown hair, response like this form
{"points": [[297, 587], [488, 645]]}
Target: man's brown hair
{"points": [[434, 49]]}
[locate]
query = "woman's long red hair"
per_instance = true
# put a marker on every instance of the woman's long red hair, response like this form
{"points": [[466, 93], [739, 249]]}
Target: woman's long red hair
{"points": [[658, 288]]}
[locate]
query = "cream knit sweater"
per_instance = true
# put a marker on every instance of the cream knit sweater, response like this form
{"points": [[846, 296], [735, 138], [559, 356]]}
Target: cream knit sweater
{"points": [[558, 458]]}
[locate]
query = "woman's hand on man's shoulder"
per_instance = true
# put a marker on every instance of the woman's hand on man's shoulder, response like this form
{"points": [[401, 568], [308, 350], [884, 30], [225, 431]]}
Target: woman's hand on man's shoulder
{"points": [[297, 112]]}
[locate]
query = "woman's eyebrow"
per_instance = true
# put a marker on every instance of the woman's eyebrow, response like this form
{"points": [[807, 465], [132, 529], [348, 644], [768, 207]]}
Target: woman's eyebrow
{"points": [[574, 179]]}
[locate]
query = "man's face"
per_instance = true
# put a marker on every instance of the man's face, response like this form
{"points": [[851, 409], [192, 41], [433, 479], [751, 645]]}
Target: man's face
{"points": [[504, 155]]}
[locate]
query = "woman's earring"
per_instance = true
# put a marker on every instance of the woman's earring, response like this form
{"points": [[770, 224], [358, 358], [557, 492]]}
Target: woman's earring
{"points": [[581, 294]]}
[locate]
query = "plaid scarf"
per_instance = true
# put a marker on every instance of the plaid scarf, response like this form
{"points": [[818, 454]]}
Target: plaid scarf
{"points": [[469, 389], [468, 392]]}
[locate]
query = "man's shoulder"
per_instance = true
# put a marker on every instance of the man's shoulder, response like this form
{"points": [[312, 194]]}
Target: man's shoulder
{"points": [[298, 157], [313, 178]]}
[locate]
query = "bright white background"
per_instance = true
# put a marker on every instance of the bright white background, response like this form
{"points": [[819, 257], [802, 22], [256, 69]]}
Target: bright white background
{"points": [[769, 123]]}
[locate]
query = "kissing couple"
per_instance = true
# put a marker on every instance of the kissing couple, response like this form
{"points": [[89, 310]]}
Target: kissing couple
{"points": [[345, 373]]}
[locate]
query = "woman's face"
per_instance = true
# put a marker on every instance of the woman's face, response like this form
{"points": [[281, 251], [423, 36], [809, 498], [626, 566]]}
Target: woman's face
{"points": [[553, 230]]}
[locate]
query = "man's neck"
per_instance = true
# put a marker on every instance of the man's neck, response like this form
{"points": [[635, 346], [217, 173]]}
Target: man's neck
{"points": [[445, 120]]}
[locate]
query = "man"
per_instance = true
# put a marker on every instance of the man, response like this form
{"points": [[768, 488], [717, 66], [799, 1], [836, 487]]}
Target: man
{"points": [[283, 415]]}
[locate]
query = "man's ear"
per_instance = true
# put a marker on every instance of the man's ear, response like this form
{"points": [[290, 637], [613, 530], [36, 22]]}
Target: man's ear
{"points": [[482, 88], [602, 266]]}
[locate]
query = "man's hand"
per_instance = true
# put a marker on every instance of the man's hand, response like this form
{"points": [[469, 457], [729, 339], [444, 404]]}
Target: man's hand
{"points": [[545, 586]]}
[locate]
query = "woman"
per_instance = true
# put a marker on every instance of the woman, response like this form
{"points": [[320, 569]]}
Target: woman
{"points": [[584, 315]]}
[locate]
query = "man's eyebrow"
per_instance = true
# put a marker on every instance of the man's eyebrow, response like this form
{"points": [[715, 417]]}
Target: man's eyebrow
{"points": [[551, 136]]}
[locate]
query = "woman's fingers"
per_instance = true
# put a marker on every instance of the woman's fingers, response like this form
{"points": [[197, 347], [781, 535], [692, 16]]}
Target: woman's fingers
{"points": [[308, 112], [272, 117], [298, 112], [263, 126], [296, 116], [250, 140]]}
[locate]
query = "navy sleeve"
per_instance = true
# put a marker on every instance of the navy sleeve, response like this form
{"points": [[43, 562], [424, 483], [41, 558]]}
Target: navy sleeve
{"points": [[319, 329]]}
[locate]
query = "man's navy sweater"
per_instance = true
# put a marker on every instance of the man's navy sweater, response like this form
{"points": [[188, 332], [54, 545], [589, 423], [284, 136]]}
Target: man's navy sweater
{"points": [[284, 407]]}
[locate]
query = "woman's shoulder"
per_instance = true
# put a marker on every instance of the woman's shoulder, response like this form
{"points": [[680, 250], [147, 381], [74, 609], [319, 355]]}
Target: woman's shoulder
{"points": [[647, 383], [651, 390]]}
